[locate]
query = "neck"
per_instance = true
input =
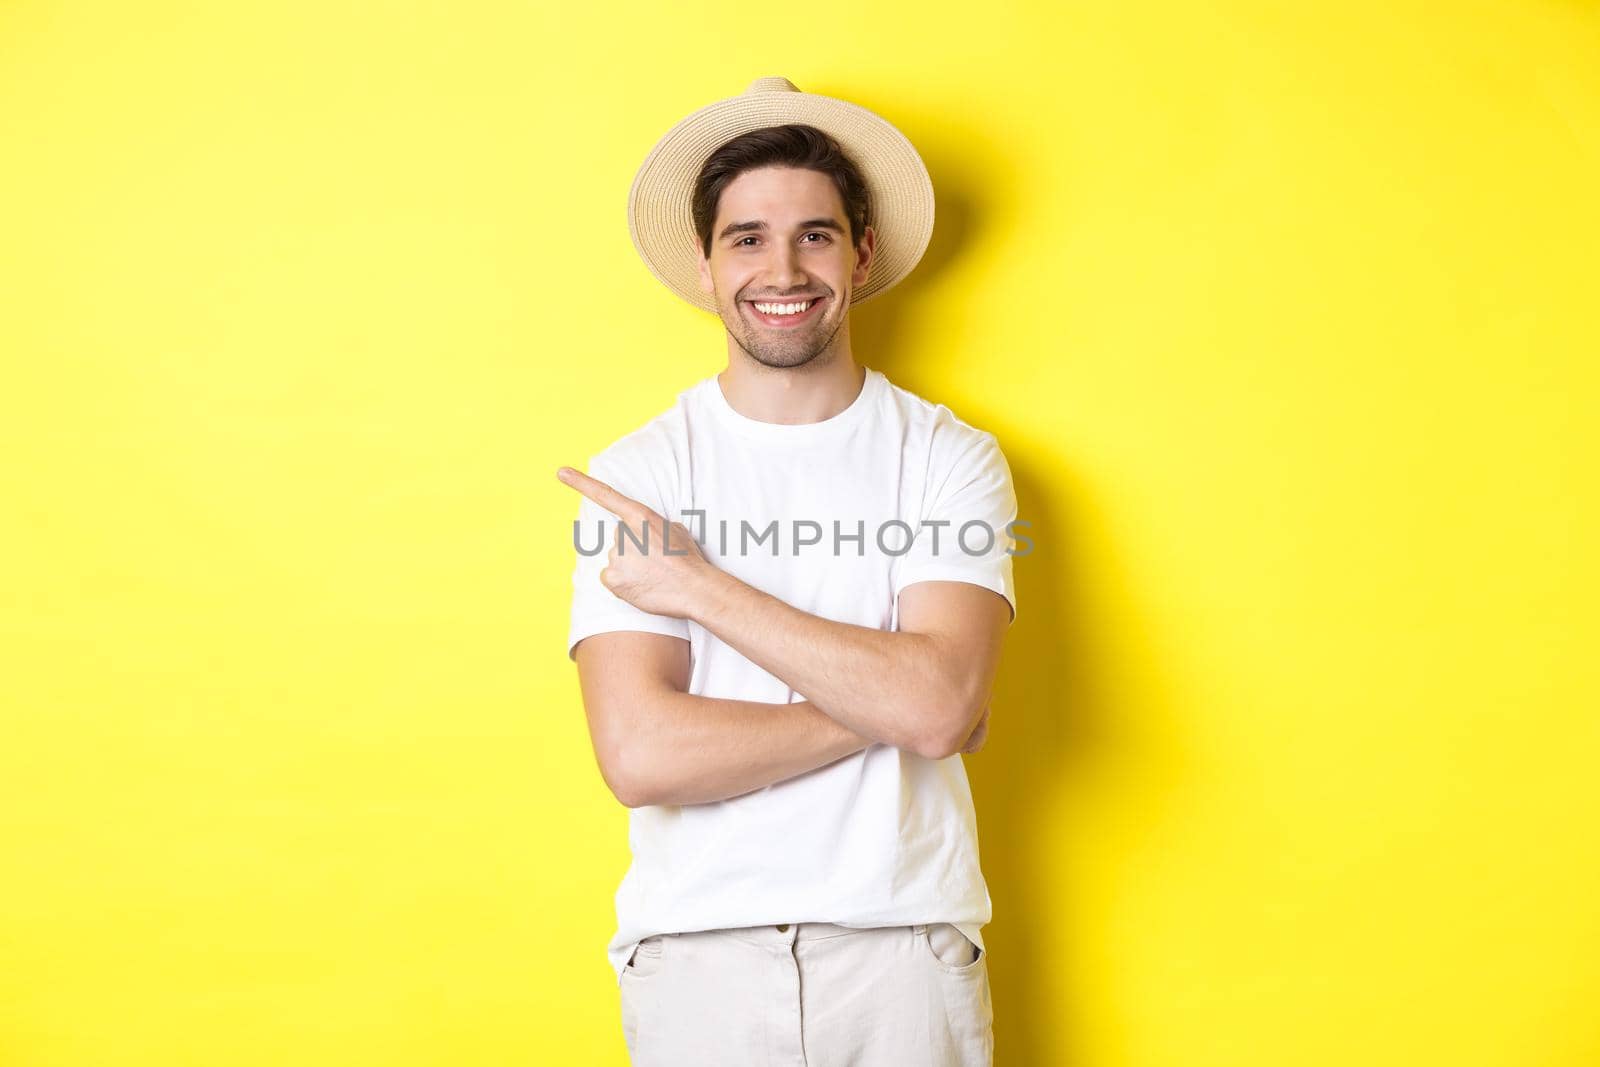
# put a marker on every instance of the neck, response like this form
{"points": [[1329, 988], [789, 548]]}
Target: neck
{"points": [[812, 392]]}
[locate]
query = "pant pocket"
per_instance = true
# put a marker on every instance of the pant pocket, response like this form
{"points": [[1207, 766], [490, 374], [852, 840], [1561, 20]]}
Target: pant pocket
{"points": [[638, 988], [647, 957], [960, 972], [951, 949]]}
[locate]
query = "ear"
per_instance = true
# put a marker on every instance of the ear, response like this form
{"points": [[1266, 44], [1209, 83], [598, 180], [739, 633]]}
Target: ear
{"points": [[703, 268], [864, 253]]}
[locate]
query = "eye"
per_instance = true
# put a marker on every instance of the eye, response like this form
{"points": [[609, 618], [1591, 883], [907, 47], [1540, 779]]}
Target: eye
{"points": [[817, 233], [742, 240]]}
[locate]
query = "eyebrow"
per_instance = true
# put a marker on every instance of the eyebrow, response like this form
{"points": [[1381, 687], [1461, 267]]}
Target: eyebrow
{"points": [[757, 224]]}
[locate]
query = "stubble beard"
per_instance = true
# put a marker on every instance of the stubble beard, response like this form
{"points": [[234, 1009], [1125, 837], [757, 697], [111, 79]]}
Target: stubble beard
{"points": [[780, 353]]}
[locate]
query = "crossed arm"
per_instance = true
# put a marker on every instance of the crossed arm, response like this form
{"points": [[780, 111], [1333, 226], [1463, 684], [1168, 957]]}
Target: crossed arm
{"points": [[658, 744], [924, 687]]}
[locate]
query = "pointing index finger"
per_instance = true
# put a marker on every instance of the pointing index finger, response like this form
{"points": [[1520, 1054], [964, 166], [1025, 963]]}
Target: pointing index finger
{"points": [[624, 507]]}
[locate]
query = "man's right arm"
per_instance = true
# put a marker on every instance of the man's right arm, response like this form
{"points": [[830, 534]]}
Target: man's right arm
{"points": [[656, 743]]}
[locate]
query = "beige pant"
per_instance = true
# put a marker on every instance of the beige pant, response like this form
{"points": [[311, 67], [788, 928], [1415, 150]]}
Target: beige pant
{"points": [[809, 995]]}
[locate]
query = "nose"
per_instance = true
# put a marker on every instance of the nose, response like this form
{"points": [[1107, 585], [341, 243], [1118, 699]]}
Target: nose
{"points": [[785, 267]]}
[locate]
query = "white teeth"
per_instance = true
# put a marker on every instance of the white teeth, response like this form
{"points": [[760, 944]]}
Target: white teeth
{"points": [[783, 309]]}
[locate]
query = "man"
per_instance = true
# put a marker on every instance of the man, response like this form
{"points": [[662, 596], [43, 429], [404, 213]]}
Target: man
{"points": [[781, 693]]}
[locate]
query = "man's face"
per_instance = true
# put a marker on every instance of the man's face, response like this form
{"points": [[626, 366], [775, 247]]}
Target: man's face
{"points": [[781, 238]]}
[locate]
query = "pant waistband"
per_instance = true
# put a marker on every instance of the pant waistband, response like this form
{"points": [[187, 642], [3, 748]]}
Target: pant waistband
{"points": [[782, 934]]}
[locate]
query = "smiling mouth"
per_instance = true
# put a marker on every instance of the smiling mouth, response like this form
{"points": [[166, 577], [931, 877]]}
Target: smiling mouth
{"points": [[784, 313]]}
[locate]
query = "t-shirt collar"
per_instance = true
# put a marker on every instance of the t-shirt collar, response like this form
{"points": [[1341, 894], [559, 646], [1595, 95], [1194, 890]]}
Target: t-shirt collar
{"points": [[793, 433]]}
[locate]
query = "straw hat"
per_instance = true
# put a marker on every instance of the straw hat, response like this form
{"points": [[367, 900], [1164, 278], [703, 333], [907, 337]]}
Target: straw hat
{"points": [[899, 191]]}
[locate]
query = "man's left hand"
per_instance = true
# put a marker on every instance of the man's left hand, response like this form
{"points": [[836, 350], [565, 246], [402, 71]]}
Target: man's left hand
{"points": [[655, 580]]}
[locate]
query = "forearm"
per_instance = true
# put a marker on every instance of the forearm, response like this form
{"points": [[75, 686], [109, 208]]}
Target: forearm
{"points": [[694, 750], [889, 686]]}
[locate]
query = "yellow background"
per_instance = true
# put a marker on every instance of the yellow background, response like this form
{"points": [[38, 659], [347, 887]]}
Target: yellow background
{"points": [[1284, 315]]}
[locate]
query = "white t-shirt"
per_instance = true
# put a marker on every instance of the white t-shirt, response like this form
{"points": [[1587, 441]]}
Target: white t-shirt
{"points": [[883, 837]]}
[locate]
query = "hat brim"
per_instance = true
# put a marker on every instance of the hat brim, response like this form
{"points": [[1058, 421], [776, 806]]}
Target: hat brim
{"points": [[660, 216]]}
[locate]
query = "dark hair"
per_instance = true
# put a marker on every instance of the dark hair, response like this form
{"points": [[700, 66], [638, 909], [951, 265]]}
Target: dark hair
{"points": [[794, 145]]}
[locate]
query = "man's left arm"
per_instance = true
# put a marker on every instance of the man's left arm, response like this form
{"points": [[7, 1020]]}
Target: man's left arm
{"points": [[922, 687]]}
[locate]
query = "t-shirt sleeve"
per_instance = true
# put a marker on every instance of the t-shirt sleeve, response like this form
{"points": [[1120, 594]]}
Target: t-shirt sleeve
{"points": [[966, 535], [596, 609]]}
